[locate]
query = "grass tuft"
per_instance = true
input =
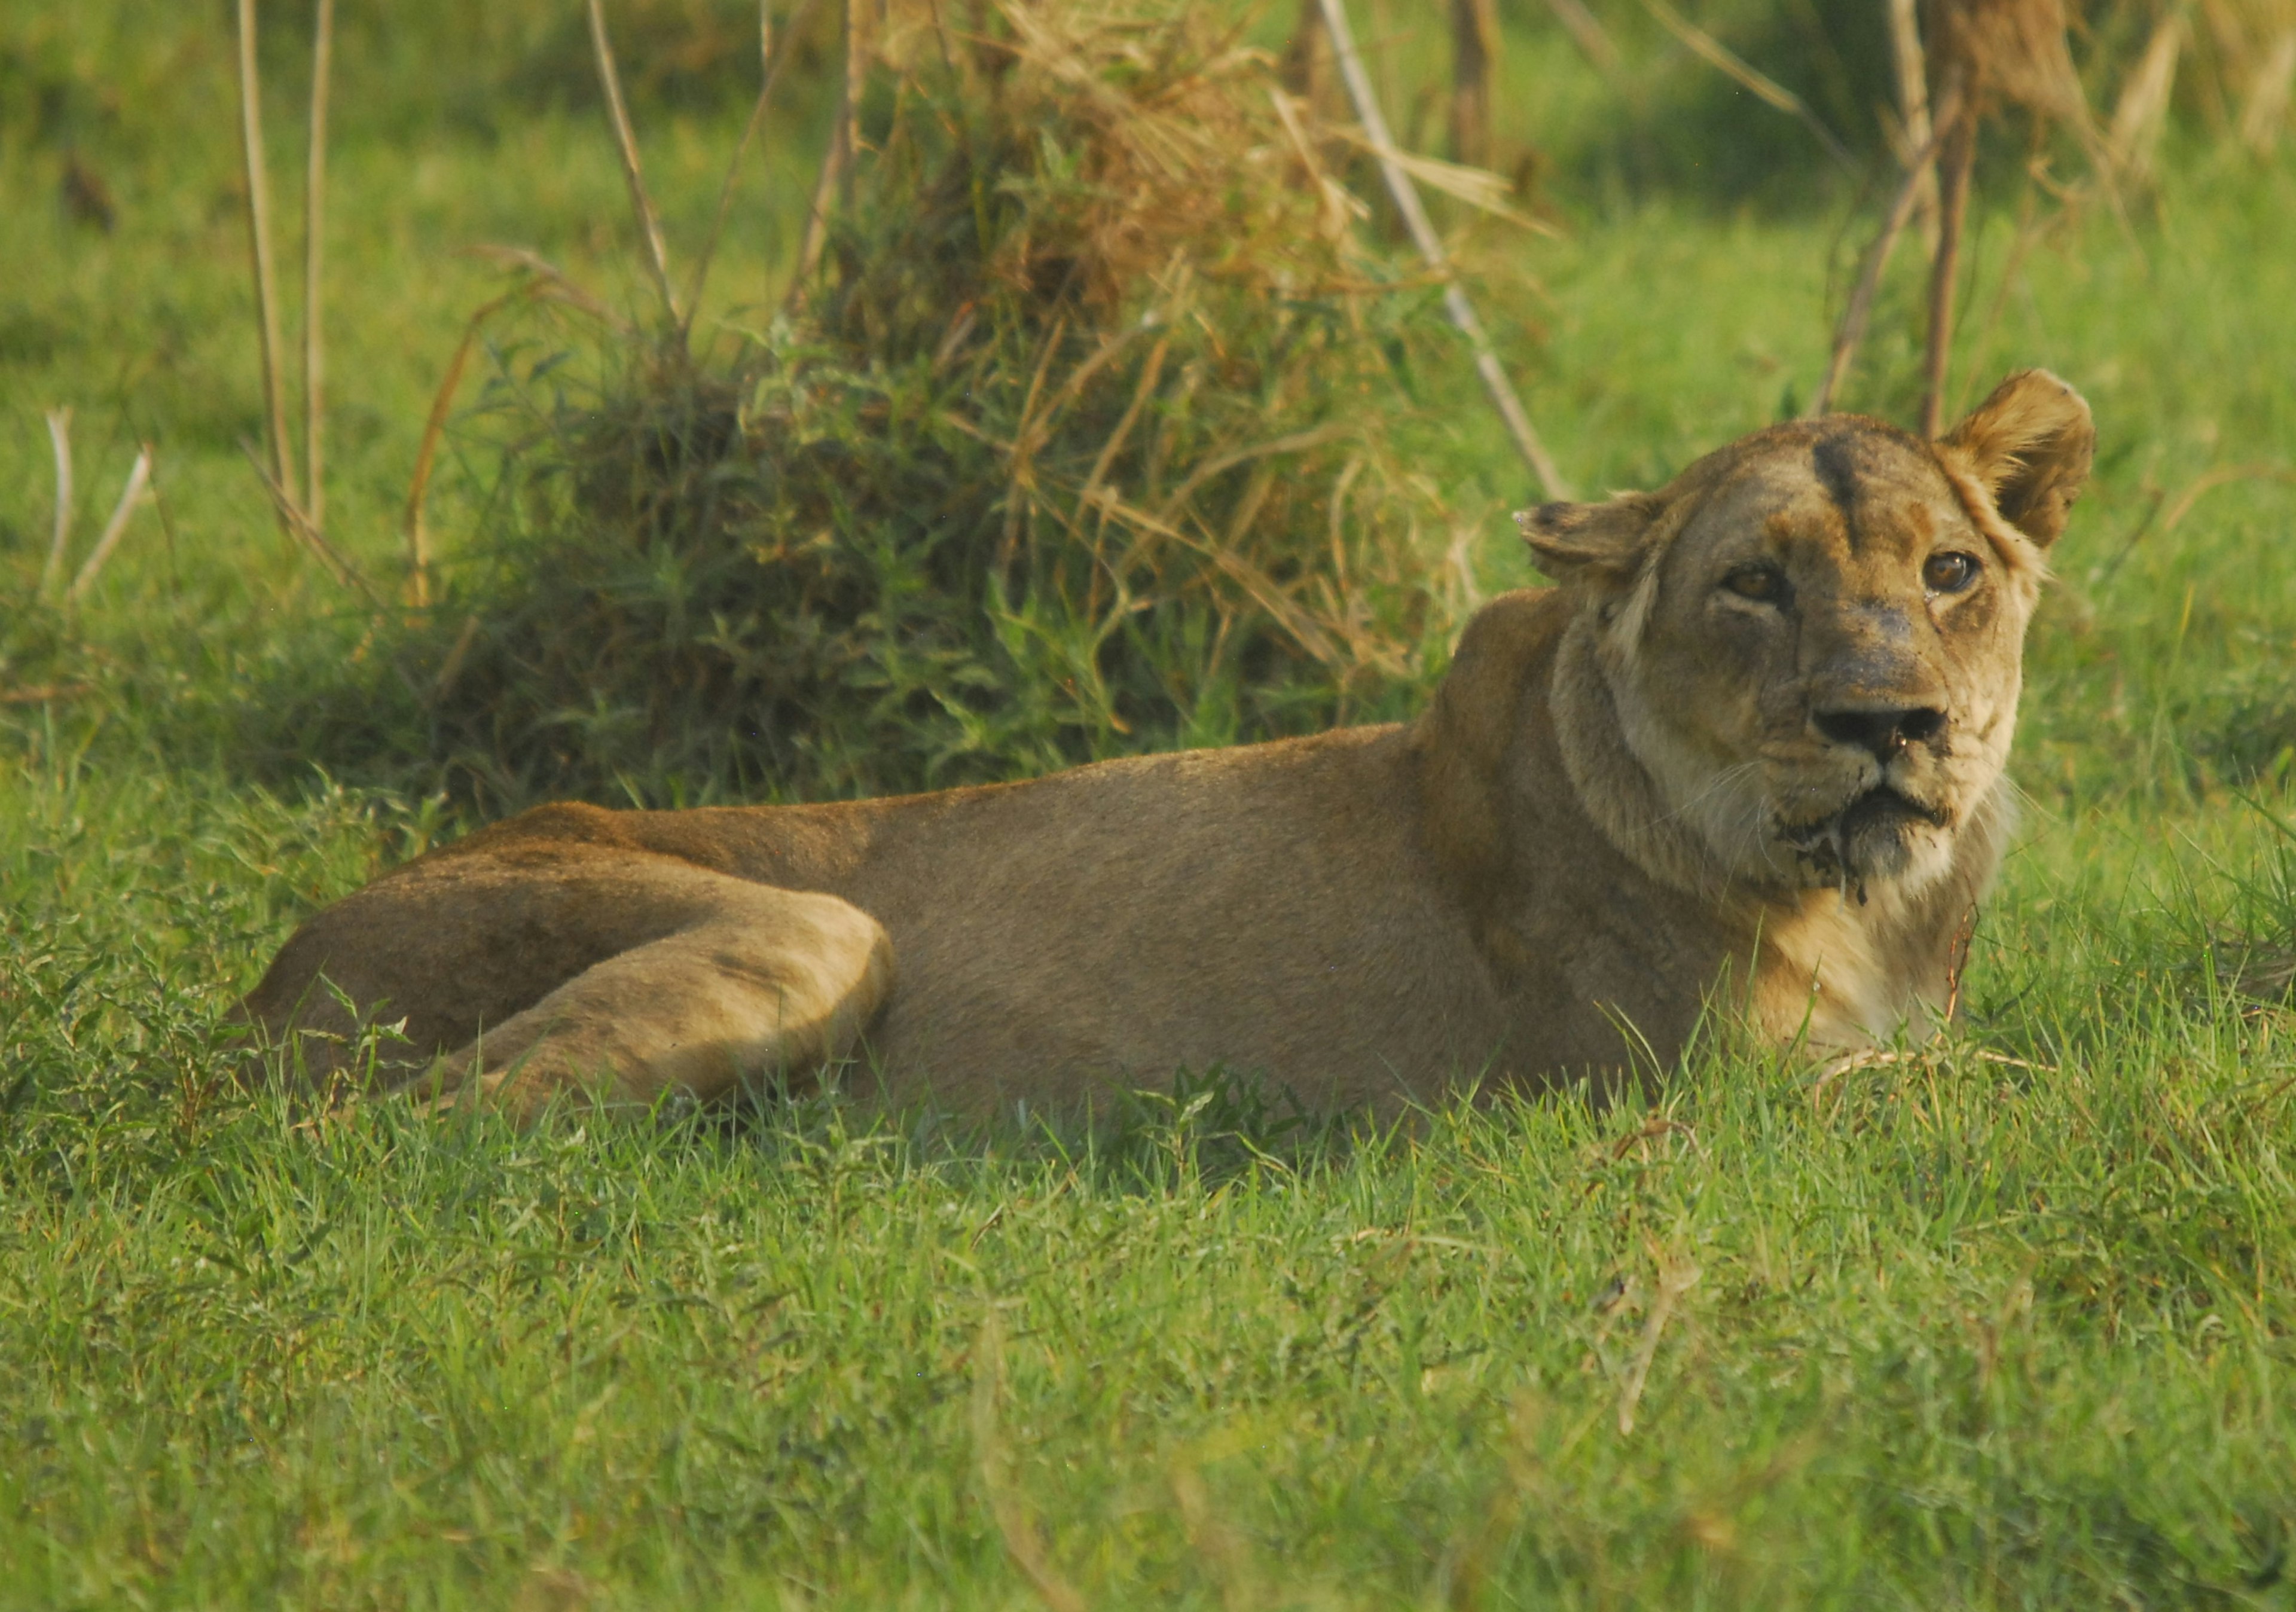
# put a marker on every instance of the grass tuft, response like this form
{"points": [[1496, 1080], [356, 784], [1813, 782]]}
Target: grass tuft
{"points": [[1081, 440]]}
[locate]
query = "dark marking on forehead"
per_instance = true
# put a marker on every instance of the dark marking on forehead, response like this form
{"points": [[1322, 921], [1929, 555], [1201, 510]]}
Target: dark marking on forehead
{"points": [[1835, 461], [1867, 471]]}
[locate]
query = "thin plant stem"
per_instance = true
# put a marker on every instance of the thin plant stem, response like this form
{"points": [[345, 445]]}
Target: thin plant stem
{"points": [[1462, 312], [1957, 153], [139, 478], [314, 218], [279, 453], [1760, 85], [418, 540], [772, 60], [59, 442], [1910, 62], [298, 526], [834, 165], [626, 145], [1474, 63], [541, 282], [1855, 317], [1586, 32]]}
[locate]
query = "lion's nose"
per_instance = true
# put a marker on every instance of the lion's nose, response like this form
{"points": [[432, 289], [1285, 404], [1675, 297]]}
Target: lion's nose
{"points": [[1883, 731]]}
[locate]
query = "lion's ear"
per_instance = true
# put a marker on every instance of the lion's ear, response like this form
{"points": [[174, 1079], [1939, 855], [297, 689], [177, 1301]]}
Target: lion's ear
{"points": [[1605, 539], [2030, 445]]}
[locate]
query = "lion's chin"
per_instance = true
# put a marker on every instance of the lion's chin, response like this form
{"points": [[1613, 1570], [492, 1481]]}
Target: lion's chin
{"points": [[1876, 837]]}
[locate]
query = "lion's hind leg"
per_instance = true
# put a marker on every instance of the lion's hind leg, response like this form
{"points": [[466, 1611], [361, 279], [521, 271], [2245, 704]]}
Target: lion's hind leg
{"points": [[760, 984], [530, 966]]}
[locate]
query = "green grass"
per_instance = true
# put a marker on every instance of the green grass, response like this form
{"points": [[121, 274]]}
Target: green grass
{"points": [[2006, 1325]]}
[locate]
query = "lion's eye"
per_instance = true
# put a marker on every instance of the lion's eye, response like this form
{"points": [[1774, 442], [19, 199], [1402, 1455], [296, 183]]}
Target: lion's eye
{"points": [[1949, 573], [1764, 583]]}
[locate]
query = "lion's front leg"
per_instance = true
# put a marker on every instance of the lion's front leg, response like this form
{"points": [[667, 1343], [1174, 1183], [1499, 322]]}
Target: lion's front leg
{"points": [[770, 987]]}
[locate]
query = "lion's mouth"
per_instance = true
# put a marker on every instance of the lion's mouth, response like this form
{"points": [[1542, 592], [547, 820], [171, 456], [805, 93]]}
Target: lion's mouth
{"points": [[1864, 839]]}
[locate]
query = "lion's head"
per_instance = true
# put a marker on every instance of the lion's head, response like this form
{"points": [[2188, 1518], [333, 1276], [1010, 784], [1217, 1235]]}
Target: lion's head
{"points": [[1811, 642]]}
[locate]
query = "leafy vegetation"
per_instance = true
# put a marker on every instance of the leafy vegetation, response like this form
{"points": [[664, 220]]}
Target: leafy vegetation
{"points": [[2002, 1321]]}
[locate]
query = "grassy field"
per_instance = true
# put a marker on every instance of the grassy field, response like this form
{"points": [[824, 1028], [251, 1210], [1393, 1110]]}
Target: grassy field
{"points": [[2005, 1324]]}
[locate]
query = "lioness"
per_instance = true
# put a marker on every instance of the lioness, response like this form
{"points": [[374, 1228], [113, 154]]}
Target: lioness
{"points": [[1751, 746]]}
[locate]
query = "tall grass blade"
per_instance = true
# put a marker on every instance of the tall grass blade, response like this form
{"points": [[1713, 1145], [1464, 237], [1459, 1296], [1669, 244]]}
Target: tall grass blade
{"points": [[60, 540], [1758, 84], [315, 219], [278, 456], [1920, 175], [1915, 132], [770, 62], [1462, 312], [625, 146], [2267, 107], [139, 478], [836, 164]]}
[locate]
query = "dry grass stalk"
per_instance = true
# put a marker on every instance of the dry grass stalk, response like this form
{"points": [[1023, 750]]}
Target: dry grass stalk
{"points": [[540, 280], [2142, 112], [315, 219], [1858, 312], [1916, 139], [1477, 187], [1675, 1278], [2266, 108], [1586, 32], [139, 478], [837, 163], [1014, 1525], [1475, 64], [60, 445], [278, 451], [625, 146], [434, 427], [298, 526], [1431, 246], [1306, 58], [1986, 53], [770, 62], [1758, 84]]}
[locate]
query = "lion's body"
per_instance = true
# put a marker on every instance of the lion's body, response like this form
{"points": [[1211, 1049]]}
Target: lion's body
{"points": [[1511, 889]]}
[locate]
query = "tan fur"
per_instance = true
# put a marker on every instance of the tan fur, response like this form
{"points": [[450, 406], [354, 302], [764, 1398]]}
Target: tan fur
{"points": [[1637, 796]]}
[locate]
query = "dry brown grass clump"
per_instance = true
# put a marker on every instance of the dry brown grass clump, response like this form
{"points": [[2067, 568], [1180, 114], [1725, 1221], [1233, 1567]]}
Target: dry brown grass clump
{"points": [[1080, 439]]}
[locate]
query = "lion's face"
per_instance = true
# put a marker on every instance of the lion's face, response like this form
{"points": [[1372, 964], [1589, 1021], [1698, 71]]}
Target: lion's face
{"points": [[1813, 641]]}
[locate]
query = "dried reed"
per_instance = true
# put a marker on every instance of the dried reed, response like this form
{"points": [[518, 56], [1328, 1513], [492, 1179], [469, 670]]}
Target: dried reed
{"points": [[1920, 175], [1986, 53], [539, 281], [770, 62], [1462, 312], [1474, 63], [278, 456], [2141, 114], [2267, 111], [1917, 140], [298, 525], [1758, 84], [60, 445], [836, 163], [1018, 1530], [1586, 32], [131, 495], [315, 219], [1675, 1278], [625, 146]]}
